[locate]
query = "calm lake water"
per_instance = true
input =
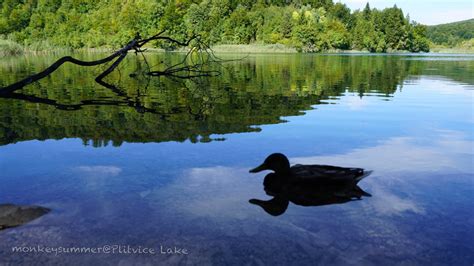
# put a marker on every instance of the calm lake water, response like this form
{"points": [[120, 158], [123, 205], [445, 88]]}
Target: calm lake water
{"points": [[165, 163]]}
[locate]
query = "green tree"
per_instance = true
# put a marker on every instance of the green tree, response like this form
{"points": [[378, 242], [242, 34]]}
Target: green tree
{"points": [[309, 25], [395, 28]]}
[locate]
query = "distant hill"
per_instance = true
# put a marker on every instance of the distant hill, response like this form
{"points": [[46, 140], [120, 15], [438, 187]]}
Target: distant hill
{"points": [[451, 34]]}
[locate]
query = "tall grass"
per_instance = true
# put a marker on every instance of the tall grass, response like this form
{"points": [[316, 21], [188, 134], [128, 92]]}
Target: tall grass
{"points": [[253, 48], [46, 47], [465, 47], [10, 48]]}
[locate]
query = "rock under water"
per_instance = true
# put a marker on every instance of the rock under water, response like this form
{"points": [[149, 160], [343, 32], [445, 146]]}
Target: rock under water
{"points": [[15, 215]]}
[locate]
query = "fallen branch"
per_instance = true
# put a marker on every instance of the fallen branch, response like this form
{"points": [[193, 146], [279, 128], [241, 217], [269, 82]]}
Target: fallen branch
{"points": [[180, 70], [20, 84]]}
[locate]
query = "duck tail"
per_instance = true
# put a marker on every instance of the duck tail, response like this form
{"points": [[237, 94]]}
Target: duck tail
{"points": [[364, 175], [359, 192]]}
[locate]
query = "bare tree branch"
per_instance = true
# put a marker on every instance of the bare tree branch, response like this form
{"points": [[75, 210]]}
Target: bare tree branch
{"points": [[180, 70], [20, 84]]}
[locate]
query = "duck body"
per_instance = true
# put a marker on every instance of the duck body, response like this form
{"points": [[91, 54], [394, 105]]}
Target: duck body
{"points": [[324, 172], [307, 185], [343, 181], [322, 176], [315, 189]]}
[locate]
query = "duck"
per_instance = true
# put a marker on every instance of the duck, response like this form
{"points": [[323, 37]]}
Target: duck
{"points": [[307, 185]]}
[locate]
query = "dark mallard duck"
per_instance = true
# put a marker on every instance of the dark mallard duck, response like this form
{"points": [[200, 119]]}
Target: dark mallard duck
{"points": [[307, 185]]}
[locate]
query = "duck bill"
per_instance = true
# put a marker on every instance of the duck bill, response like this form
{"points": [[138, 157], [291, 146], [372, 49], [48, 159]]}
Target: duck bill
{"points": [[259, 168]]}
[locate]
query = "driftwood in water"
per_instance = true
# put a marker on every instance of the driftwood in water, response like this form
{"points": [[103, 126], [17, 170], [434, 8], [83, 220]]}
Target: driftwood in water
{"points": [[180, 70]]}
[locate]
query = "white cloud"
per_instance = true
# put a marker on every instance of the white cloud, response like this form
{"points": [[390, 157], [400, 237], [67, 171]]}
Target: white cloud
{"points": [[447, 88], [214, 192], [405, 154], [387, 203], [355, 103], [97, 177], [100, 170]]}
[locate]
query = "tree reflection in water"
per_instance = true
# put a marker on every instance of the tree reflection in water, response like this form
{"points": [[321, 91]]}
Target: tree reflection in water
{"points": [[250, 92]]}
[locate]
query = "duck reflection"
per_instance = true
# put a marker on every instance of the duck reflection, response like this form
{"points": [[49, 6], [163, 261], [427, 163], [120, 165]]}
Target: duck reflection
{"points": [[307, 185]]}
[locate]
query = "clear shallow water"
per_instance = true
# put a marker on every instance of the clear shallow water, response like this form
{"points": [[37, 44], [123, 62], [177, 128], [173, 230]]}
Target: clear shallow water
{"points": [[167, 163]]}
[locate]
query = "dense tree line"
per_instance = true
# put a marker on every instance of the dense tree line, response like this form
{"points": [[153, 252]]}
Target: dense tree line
{"points": [[308, 25], [452, 34]]}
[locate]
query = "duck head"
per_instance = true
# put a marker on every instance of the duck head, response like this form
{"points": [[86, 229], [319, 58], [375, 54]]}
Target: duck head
{"points": [[276, 206], [276, 162]]}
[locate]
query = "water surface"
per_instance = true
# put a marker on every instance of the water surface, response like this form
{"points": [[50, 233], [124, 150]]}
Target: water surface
{"points": [[160, 162]]}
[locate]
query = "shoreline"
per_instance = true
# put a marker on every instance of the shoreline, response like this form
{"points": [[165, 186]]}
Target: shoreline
{"points": [[10, 48]]}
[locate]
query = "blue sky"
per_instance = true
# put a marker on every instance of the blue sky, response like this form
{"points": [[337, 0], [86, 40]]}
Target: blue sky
{"points": [[429, 12]]}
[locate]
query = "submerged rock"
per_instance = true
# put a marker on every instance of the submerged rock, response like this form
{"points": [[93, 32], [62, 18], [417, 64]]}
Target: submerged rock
{"points": [[15, 215]]}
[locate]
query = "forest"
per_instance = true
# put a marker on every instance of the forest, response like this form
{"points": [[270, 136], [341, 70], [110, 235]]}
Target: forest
{"points": [[456, 34], [307, 25]]}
